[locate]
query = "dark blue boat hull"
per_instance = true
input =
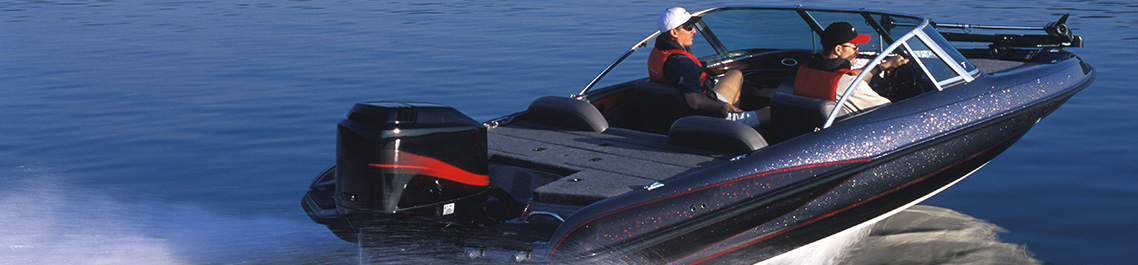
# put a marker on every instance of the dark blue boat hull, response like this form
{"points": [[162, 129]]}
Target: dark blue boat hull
{"points": [[810, 187]]}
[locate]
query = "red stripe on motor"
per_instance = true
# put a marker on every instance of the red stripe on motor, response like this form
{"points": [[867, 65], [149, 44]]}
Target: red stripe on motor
{"points": [[421, 165]]}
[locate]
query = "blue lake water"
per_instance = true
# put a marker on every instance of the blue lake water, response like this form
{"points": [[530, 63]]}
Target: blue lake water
{"points": [[186, 132]]}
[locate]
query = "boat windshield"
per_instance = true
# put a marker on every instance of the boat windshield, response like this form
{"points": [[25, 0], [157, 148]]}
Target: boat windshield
{"points": [[734, 33], [945, 67], [730, 31]]}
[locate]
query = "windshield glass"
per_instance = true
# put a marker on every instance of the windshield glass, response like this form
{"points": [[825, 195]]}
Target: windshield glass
{"points": [[752, 29], [943, 63], [747, 29], [954, 54], [936, 67], [859, 23]]}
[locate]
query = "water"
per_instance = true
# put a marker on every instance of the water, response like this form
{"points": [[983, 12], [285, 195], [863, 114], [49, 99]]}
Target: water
{"points": [[186, 132]]}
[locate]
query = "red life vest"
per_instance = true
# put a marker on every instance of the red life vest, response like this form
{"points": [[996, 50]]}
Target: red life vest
{"points": [[656, 65], [813, 83]]}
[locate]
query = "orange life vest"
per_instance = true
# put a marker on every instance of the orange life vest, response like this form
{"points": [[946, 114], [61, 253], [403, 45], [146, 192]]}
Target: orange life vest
{"points": [[656, 65], [819, 84]]}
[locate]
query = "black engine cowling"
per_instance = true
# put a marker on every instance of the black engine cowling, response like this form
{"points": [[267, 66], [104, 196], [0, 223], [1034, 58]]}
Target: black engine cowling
{"points": [[400, 158]]}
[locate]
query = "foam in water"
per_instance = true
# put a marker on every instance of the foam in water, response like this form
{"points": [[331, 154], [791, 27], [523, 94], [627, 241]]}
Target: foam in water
{"points": [[49, 223], [918, 235], [829, 250], [46, 220]]}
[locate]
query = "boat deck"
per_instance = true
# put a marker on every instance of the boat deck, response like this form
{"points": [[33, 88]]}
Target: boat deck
{"points": [[991, 66], [592, 166]]}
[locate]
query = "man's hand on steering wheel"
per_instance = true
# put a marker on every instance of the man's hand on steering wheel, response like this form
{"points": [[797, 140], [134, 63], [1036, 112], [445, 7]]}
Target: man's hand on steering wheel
{"points": [[893, 62]]}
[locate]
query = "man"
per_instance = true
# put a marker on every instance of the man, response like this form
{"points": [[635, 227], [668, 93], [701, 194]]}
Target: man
{"points": [[670, 62], [828, 75]]}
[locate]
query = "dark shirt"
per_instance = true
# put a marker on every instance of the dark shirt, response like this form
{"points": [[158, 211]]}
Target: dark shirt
{"points": [[821, 63], [680, 70]]}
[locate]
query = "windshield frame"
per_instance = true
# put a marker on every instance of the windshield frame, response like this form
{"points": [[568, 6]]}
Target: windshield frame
{"points": [[962, 75]]}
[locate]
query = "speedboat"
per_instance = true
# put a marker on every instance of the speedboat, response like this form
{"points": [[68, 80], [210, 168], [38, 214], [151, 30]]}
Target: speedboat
{"points": [[626, 173]]}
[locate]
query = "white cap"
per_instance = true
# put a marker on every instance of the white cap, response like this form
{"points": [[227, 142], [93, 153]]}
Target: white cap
{"points": [[672, 18]]}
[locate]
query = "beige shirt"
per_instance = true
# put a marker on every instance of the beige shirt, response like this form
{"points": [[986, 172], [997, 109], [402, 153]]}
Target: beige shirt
{"points": [[863, 98]]}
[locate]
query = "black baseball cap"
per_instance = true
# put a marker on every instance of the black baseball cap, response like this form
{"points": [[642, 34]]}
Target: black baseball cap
{"points": [[842, 32]]}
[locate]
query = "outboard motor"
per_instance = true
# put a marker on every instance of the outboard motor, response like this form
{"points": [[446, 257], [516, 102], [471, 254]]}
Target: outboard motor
{"points": [[400, 159]]}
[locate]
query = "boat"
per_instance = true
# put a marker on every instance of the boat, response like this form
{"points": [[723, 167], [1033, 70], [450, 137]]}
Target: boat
{"points": [[625, 174]]}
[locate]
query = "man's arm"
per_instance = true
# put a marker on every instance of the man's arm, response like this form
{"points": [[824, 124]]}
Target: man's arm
{"points": [[684, 73], [704, 104], [886, 65]]}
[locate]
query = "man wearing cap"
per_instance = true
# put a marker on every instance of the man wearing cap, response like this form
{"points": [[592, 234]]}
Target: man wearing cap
{"points": [[828, 75], [670, 62]]}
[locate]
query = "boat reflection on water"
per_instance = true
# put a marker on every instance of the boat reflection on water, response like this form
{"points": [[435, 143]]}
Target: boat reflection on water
{"points": [[408, 241]]}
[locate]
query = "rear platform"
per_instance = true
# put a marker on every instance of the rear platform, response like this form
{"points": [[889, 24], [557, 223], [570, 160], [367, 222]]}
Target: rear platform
{"points": [[589, 166]]}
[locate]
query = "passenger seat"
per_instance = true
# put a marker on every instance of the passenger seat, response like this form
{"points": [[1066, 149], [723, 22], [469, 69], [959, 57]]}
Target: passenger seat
{"points": [[566, 112], [660, 105], [716, 134]]}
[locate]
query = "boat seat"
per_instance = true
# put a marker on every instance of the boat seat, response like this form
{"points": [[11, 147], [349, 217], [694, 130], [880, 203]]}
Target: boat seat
{"points": [[716, 134], [566, 112], [660, 105], [793, 115]]}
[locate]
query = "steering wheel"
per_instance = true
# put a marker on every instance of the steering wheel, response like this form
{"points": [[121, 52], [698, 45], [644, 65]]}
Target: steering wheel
{"points": [[901, 83]]}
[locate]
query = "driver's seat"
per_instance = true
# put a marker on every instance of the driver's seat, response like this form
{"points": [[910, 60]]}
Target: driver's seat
{"points": [[792, 115]]}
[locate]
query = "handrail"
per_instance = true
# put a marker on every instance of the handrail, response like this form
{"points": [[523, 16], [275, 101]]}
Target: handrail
{"points": [[977, 26], [1059, 27], [643, 43], [1058, 35]]}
